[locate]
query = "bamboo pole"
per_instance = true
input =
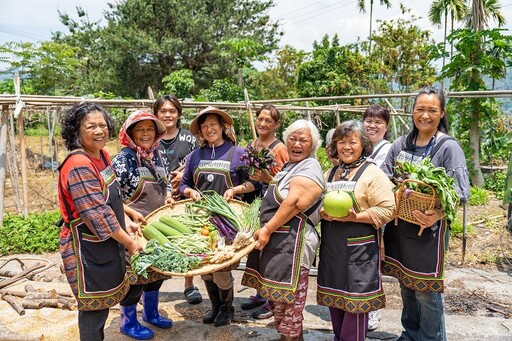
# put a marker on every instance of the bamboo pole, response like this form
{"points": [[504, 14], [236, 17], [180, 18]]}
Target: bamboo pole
{"points": [[23, 151], [12, 156], [3, 159], [251, 119]]}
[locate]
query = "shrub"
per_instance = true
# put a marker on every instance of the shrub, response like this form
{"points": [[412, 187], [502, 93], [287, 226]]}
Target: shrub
{"points": [[478, 196], [495, 182], [456, 228], [36, 234]]}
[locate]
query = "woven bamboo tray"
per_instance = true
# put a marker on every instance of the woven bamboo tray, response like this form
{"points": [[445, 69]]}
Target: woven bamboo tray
{"points": [[180, 208], [406, 204]]}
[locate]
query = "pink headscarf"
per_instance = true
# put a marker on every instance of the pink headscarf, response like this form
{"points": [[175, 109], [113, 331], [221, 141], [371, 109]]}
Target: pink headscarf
{"points": [[126, 140]]}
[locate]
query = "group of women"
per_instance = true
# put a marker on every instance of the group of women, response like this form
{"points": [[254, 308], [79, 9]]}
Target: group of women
{"points": [[103, 204]]}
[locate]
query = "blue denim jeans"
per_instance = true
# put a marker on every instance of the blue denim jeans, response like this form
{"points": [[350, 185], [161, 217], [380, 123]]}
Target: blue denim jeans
{"points": [[422, 315]]}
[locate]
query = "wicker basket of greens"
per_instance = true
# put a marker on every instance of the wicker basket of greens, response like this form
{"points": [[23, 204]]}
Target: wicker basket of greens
{"points": [[423, 187], [194, 238]]}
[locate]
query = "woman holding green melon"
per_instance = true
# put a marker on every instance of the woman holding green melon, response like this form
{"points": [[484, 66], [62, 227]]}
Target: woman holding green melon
{"points": [[349, 279]]}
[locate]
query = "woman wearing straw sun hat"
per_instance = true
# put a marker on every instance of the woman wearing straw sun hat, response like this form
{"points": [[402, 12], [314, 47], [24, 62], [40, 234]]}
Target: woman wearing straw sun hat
{"points": [[217, 165]]}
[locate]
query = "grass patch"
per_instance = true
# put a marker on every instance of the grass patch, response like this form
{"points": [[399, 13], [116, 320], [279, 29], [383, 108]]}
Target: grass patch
{"points": [[478, 196], [457, 228]]}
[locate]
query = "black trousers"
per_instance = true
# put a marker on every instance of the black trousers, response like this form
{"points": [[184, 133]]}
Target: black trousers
{"points": [[91, 324], [135, 292]]}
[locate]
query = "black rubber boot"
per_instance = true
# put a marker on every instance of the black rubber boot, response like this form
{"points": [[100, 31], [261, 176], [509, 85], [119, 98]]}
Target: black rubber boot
{"points": [[214, 296], [227, 311]]}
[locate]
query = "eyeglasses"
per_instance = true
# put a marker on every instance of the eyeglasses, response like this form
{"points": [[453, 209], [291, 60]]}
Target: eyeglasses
{"points": [[294, 140]]}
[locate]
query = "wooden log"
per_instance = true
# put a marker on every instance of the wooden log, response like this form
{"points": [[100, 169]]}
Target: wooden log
{"points": [[14, 293], [7, 273], [32, 304], [65, 304], [29, 288], [65, 294], [42, 295], [14, 304], [22, 274]]}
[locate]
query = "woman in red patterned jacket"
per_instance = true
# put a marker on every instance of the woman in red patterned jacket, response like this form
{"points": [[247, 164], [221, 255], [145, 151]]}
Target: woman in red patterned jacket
{"points": [[93, 239]]}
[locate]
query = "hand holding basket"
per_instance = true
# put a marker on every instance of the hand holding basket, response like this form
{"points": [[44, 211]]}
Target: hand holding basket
{"points": [[409, 200]]}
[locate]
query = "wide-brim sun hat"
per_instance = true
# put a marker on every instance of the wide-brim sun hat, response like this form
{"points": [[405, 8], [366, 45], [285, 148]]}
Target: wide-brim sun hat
{"points": [[194, 125]]}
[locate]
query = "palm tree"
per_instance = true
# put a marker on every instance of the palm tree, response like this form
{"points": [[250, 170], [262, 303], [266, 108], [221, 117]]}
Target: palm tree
{"points": [[362, 8], [439, 9], [481, 12]]}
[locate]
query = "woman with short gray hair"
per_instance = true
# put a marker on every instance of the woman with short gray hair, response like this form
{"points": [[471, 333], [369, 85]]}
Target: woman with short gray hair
{"points": [[287, 240]]}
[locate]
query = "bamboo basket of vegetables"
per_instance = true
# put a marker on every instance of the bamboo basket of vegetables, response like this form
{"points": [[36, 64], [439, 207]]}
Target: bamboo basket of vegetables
{"points": [[195, 238], [409, 200], [435, 190]]}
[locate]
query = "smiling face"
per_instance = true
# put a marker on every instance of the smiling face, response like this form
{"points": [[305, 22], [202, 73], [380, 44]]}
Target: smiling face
{"points": [[211, 130], [94, 133], [169, 115], [349, 148], [144, 134], [427, 114], [300, 145], [265, 124], [376, 128]]}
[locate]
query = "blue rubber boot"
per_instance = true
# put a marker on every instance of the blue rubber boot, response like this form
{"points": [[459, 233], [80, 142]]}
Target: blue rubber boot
{"points": [[131, 327], [150, 312]]}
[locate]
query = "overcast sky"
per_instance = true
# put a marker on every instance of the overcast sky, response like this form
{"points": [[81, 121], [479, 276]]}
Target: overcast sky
{"points": [[302, 21]]}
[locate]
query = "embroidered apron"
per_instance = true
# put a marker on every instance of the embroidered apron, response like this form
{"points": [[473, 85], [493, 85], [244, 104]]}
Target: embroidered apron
{"points": [[416, 261], [349, 270], [274, 271], [150, 194], [214, 175], [97, 272]]}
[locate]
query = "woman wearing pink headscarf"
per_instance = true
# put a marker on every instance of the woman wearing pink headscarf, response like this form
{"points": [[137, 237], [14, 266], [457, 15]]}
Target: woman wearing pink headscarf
{"points": [[144, 188]]}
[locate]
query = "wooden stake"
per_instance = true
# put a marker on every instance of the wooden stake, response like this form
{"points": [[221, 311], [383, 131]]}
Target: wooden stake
{"points": [[12, 156], [3, 159], [19, 111], [251, 119]]}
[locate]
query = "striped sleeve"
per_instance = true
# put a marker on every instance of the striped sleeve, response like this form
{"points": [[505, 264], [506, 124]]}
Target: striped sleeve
{"points": [[86, 192]]}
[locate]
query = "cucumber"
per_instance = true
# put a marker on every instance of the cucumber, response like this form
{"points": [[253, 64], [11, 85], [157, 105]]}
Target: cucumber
{"points": [[165, 229], [151, 232], [175, 224]]}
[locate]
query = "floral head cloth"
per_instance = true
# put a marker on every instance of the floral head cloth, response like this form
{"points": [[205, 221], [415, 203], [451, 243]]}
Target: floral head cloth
{"points": [[127, 141]]}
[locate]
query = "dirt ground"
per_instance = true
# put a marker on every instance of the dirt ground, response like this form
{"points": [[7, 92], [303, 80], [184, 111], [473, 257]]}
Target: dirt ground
{"points": [[488, 248]]}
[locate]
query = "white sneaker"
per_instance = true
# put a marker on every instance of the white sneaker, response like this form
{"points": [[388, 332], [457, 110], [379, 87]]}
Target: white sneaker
{"points": [[373, 319]]}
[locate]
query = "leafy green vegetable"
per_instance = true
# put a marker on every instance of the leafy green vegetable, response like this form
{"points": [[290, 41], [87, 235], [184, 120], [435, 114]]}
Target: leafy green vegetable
{"points": [[427, 173], [251, 215], [166, 258]]}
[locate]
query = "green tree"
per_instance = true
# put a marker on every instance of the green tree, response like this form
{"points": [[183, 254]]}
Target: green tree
{"points": [[278, 80], [361, 5], [402, 48], [146, 40], [180, 83], [333, 70], [244, 51], [48, 68], [478, 53], [456, 9]]}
